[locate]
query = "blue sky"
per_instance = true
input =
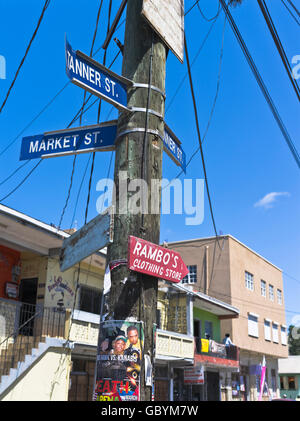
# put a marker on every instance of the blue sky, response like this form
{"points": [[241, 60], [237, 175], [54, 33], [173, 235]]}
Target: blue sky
{"points": [[246, 156]]}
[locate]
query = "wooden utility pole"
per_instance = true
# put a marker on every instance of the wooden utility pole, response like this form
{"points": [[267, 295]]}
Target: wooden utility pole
{"points": [[138, 156]]}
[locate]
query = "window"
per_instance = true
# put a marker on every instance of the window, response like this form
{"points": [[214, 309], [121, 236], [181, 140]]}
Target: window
{"points": [[191, 277], [90, 299], [263, 288], [292, 383], [249, 281], [158, 319], [273, 380], [271, 292], [197, 328], [281, 382], [208, 326], [267, 330], [283, 335], [279, 296], [253, 325], [275, 332]]}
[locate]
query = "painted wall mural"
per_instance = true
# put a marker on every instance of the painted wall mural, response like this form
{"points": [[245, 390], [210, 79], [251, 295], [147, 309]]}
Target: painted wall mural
{"points": [[61, 292]]}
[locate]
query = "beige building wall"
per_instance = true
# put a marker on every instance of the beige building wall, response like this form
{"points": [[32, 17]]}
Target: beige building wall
{"points": [[46, 380], [221, 274], [213, 271], [56, 287], [242, 259]]}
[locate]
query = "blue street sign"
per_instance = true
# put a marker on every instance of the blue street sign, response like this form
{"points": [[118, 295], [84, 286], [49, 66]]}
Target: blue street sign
{"points": [[173, 148], [100, 137], [97, 79]]}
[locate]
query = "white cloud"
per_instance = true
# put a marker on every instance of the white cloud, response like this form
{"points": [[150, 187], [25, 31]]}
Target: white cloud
{"points": [[268, 200]]}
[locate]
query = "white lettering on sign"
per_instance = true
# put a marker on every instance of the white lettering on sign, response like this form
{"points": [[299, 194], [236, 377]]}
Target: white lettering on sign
{"points": [[170, 142], [93, 76], [157, 255], [62, 143]]}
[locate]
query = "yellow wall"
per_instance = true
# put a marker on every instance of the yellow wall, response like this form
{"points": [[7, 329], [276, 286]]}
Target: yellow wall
{"points": [[172, 312], [52, 385], [61, 286]]}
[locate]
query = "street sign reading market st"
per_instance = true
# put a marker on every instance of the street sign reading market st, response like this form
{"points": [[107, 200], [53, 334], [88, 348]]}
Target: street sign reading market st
{"points": [[154, 260]]}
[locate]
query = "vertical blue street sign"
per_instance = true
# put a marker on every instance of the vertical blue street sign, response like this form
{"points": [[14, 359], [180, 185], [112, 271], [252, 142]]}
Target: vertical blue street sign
{"points": [[173, 148]]}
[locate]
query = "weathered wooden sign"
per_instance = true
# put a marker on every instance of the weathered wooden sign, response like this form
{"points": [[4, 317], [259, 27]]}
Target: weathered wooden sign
{"points": [[167, 19], [92, 237]]}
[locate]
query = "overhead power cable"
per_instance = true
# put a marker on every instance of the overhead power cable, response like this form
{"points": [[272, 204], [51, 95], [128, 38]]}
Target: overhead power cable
{"points": [[264, 9], [294, 7], [80, 121], [290, 12], [98, 121], [192, 63], [213, 106], [261, 84], [46, 4], [209, 19], [199, 139]]}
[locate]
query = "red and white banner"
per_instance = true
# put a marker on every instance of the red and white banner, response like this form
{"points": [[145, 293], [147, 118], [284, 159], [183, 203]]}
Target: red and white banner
{"points": [[154, 260]]}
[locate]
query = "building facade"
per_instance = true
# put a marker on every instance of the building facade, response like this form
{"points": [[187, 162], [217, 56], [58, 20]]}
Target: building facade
{"points": [[49, 324], [230, 271], [289, 377]]}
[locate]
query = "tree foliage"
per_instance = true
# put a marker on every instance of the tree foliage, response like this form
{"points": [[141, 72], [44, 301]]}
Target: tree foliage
{"points": [[294, 340]]}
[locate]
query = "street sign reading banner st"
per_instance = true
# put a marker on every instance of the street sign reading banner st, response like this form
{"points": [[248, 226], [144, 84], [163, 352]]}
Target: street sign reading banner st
{"points": [[154, 260], [70, 141], [97, 79]]}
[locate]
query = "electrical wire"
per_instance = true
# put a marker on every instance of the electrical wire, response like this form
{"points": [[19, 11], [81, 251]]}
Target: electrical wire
{"points": [[261, 84], [46, 4], [290, 12], [31, 171], [22, 182], [209, 19], [192, 63], [212, 109], [80, 121], [191, 8], [98, 121], [13, 173], [264, 9], [294, 7], [35, 118], [199, 139]]}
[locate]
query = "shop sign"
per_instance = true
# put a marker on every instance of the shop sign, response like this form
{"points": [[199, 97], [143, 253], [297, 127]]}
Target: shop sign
{"points": [[11, 290], [154, 260], [194, 375]]}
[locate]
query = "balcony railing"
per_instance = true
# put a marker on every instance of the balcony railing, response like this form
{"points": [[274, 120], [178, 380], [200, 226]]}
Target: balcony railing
{"points": [[23, 327], [214, 349]]}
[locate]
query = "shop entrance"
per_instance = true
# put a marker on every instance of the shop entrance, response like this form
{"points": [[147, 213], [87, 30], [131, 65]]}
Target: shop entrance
{"points": [[213, 386], [27, 296]]}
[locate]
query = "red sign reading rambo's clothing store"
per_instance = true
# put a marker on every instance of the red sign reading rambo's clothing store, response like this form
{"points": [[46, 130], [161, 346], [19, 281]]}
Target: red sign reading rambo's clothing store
{"points": [[154, 260]]}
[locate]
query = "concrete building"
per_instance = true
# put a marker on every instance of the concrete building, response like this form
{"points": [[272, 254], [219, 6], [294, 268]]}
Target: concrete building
{"points": [[198, 375], [230, 271], [289, 377]]}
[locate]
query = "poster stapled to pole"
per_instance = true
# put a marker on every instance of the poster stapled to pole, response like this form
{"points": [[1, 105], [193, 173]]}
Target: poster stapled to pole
{"points": [[119, 359]]}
